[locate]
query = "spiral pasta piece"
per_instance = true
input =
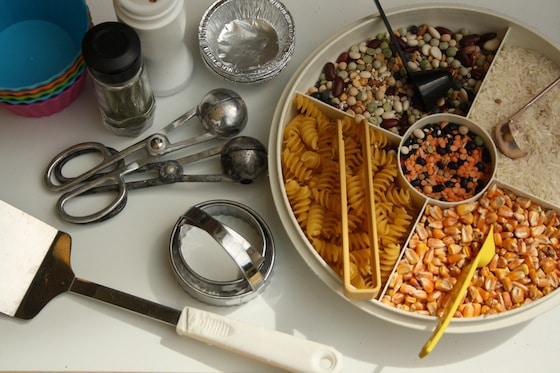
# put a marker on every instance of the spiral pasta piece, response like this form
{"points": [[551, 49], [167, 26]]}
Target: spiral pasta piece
{"points": [[362, 259], [309, 134], [315, 217], [294, 143], [311, 159], [300, 199], [388, 257], [294, 167], [305, 105], [378, 139], [398, 196], [328, 180], [330, 251]]}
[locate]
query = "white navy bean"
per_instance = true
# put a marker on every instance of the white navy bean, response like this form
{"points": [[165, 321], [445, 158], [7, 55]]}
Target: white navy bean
{"points": [[434, 33], [418, 133]]}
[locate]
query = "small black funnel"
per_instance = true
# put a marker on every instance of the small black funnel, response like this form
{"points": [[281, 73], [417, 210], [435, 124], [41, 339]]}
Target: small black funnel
{"points": [[431, 85]]}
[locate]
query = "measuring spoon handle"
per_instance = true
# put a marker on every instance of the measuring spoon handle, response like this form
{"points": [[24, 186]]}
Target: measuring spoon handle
{"points": [[536, 98]]}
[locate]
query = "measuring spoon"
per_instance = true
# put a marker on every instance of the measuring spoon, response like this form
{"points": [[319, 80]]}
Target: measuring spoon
{"points": [[502, 132], [243, 160], [222, 113], [482, 259]]}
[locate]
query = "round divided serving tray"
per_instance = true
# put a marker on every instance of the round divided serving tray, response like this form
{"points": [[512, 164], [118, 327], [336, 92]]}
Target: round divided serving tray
{"points": [[512, 33]]}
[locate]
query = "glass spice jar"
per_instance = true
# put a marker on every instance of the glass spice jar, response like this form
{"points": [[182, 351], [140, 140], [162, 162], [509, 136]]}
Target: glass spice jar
{"points": [[112, 53]]}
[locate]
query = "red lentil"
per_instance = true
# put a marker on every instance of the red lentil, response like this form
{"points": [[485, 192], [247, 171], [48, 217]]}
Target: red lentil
{"points": [[445, 161]]}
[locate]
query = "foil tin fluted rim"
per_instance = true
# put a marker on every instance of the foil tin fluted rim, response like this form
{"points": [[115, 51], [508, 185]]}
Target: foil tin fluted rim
{"points": [[223, 11]]}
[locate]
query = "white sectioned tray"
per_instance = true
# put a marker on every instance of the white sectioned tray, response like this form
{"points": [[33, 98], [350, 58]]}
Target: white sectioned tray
{"points": [[457, 16]]}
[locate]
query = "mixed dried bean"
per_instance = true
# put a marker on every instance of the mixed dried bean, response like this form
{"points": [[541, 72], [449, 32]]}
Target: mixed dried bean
{"points": [[368, 81], [524, 268], [446, 161]]}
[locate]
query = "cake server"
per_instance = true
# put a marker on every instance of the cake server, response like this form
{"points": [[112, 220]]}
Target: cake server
{"points": [[35, 267]]}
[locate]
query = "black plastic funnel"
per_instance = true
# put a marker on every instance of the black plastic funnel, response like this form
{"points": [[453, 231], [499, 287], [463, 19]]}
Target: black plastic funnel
{"points": [[430, 85]]}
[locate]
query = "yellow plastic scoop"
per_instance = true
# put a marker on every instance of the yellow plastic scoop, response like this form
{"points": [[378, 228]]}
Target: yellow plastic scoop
{"points": [[350, 290], [483, 257]]}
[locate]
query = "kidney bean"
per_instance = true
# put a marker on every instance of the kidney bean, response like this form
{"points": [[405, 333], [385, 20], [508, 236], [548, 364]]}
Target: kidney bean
{"points": [[338, 86], [409, 49], [403, 124], [343, 57], [402, 43], [444, 30], [470, 49], [373, 43], [390, 123], [477, 73], [422, 29], [469, 40], [464, 58], [329, 70], [485, 37]]}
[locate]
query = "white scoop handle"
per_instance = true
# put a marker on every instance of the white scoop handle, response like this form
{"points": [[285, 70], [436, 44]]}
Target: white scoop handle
{"points": [[275, 348]]}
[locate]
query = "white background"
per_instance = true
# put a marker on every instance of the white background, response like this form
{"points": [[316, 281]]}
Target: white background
{"points": [[129, 252]]}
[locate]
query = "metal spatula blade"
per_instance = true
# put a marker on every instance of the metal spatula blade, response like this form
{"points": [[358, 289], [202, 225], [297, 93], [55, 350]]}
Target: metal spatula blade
{"points": [[35, 267], [25, 243]]}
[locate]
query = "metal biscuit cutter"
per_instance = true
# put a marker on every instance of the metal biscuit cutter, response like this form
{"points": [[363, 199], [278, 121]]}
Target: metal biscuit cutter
{"points": [[254, 260]]}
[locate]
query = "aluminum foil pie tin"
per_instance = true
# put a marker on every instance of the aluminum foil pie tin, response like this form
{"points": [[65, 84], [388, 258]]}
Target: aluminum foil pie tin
{"points": [[246, 41]]}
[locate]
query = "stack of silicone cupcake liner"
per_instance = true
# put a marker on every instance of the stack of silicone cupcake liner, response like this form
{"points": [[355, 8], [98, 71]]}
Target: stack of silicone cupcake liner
{"points": [[46, 70]]}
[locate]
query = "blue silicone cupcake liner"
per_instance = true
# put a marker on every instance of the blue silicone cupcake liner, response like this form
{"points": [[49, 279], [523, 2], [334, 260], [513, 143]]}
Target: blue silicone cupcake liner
{"points": [[44, 40]]}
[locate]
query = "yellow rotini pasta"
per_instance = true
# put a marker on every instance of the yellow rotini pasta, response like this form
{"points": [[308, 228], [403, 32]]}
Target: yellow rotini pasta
{"points": [[315, 217], [388, 258], [361, 258], [293, 142], [294, 166], [304, 105], [378, 139], [330, 251], [356, 192], [300, 199], [309, 133], [310, 168]]}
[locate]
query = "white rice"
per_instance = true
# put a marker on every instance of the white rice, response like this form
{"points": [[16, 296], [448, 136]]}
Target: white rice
{"points": [[519, 74]]}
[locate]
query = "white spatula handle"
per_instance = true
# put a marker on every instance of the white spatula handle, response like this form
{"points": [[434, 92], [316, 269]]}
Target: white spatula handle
{"points": [[278, 349]]}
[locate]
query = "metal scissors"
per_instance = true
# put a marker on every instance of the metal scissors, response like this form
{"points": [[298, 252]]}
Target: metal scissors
{"points": [[222, 113]]}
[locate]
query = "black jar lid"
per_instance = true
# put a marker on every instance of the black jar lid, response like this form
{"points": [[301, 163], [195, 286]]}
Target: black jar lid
{"points": [[112, 52]]}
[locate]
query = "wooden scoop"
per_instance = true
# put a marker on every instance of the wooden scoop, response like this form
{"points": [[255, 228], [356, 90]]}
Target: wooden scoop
{"points": [[483, 257], [35, 267]]}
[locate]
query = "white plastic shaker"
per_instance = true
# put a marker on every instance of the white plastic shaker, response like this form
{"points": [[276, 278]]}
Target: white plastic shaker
{"points": [[161, 26]]}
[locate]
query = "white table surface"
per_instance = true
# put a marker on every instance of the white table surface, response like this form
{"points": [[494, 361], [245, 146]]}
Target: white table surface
{"points": [[129, 252]]}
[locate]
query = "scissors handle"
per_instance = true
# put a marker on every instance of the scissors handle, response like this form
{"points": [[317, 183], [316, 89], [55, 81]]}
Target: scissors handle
{"points": [[54, 177], [113, 208]]}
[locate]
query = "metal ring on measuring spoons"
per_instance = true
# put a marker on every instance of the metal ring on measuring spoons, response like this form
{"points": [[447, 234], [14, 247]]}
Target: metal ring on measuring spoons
{"points": [[255, 262]]}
